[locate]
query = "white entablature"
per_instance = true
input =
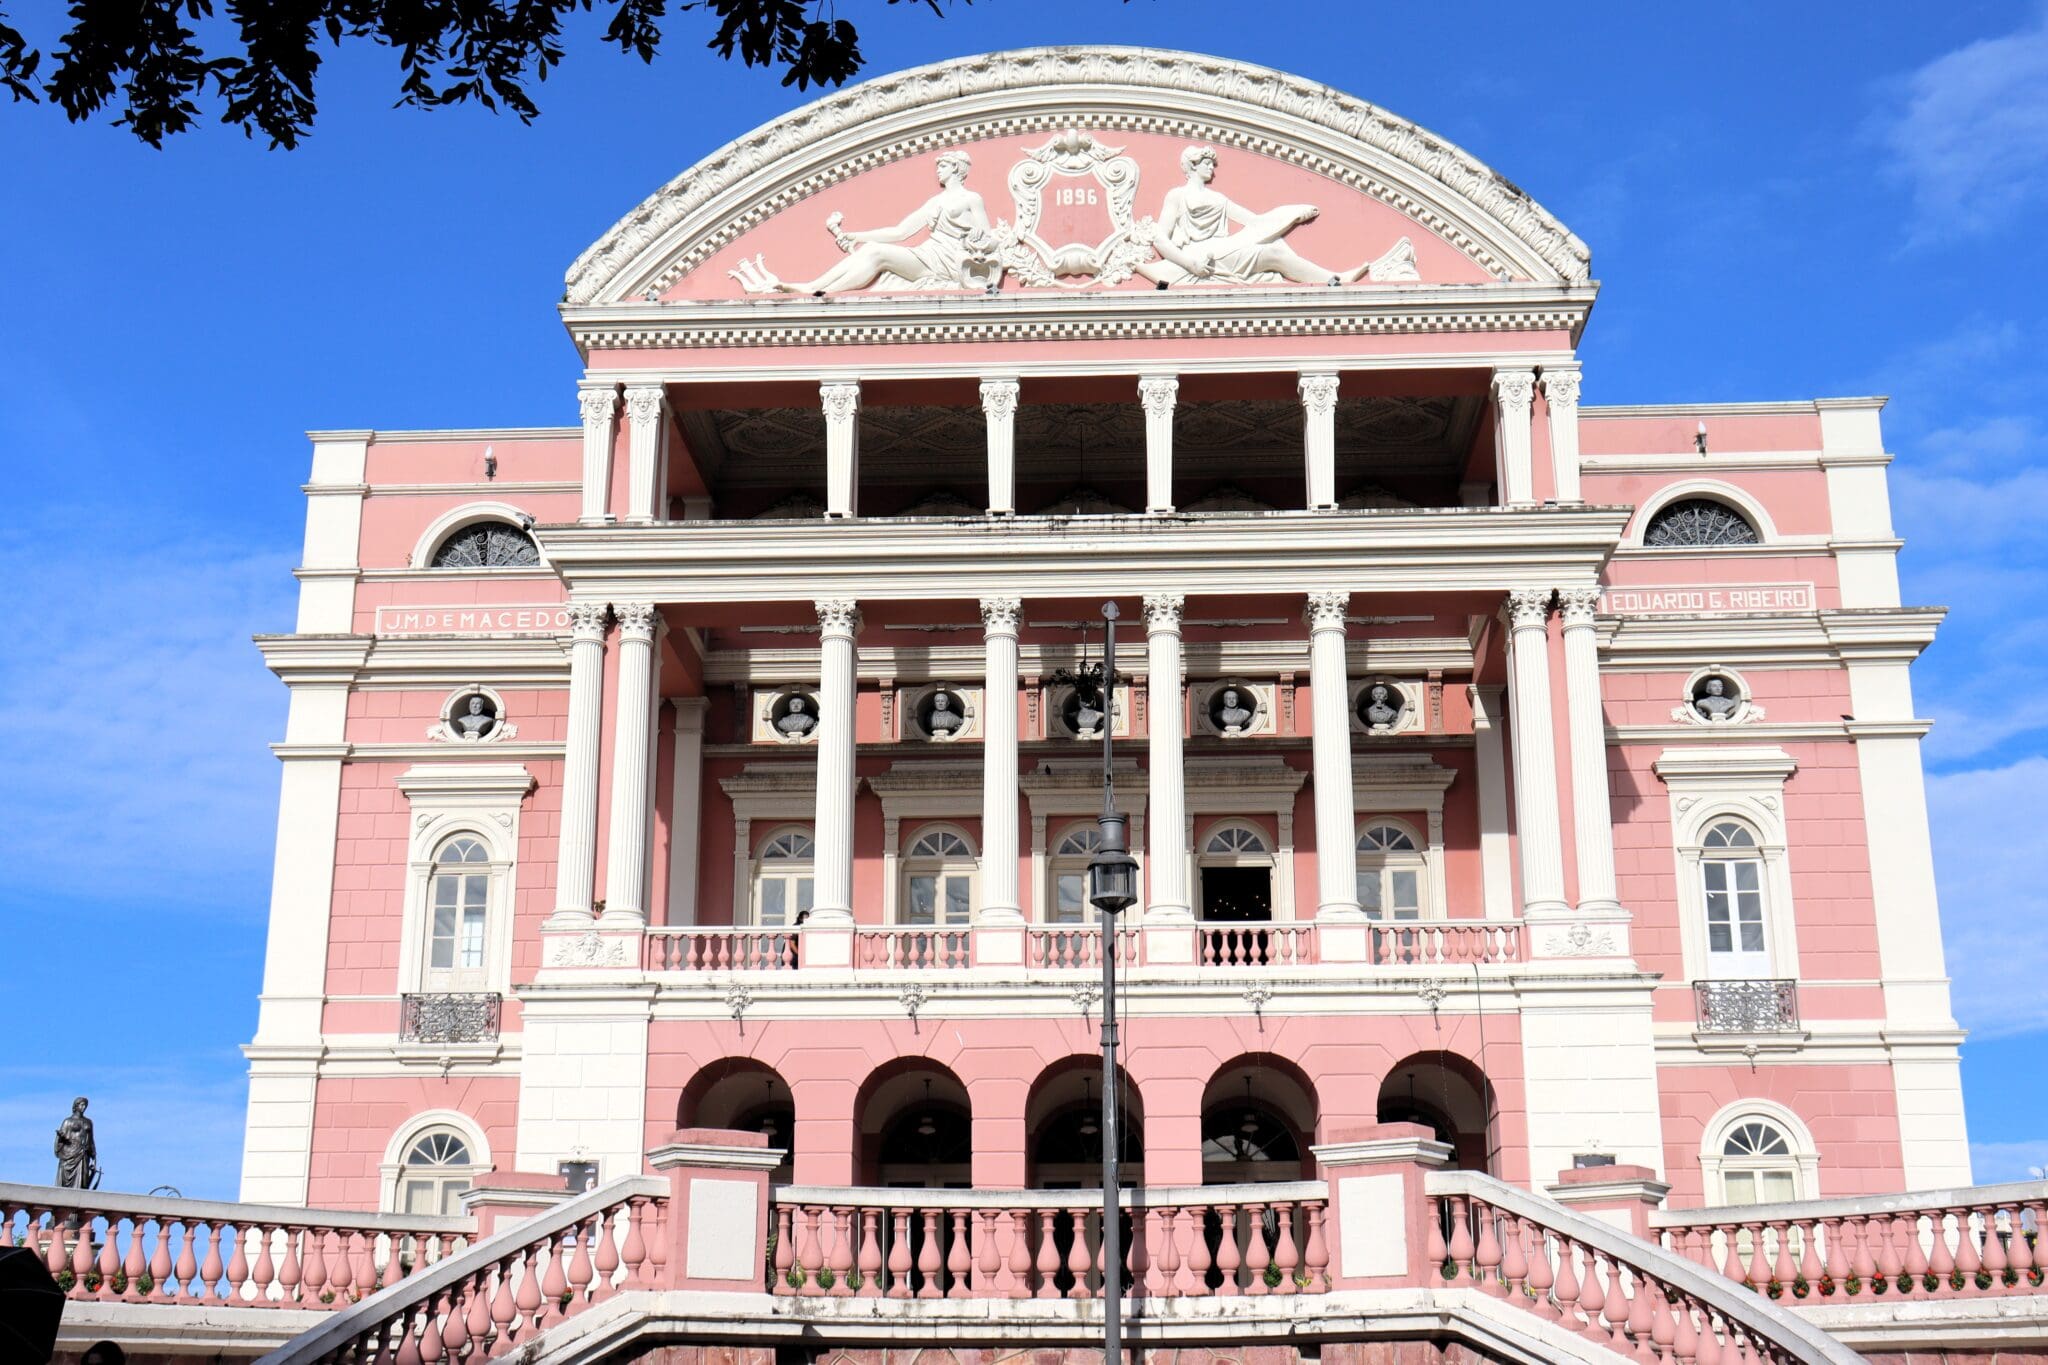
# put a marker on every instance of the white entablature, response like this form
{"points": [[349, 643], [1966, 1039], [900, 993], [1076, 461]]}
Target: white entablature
{"points": [[1238, 107]]}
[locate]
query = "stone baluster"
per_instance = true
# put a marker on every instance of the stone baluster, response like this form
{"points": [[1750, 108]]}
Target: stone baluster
{"points": [[1019, 1259], [899, 1257], [1228, 1257]]}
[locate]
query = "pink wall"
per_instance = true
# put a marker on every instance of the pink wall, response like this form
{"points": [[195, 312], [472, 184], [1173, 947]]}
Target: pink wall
{"points": [[1849, 1110], [355, 1120], [1611, 433]]}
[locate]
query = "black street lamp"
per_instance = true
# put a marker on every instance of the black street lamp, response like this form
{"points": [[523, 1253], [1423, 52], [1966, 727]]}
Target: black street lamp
{"points": [[1112, 889]]}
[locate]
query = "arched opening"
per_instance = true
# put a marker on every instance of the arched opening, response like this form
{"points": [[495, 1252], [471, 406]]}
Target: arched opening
{"points": [[743, 1094], [1063, 1121], [1452, 1098], [1259, 1116], [915, 1127]]}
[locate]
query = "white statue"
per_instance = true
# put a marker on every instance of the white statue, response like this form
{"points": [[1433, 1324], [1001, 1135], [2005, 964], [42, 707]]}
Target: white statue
{"points": [[476, 723], [1201, 235], [797, 721], [944, 720], [1086, 717], [1714, 703], [1232, 717], [959, 253], [1381, 710]]}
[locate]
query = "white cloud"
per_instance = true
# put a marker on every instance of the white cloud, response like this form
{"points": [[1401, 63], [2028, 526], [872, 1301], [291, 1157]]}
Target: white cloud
{"points": [[1993, 1163], [1987, 843], [134, 715], [153, 1126], [1969, 134]]}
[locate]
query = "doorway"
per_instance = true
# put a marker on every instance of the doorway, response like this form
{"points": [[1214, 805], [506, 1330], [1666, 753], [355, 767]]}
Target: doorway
{"points": [[1236, 896]]}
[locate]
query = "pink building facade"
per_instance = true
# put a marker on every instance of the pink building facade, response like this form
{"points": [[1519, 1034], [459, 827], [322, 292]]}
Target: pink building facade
{"points": [[1544, 773]]}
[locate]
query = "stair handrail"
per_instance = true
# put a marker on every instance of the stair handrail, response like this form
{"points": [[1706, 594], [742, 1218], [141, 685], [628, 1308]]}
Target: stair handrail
{"points": [[1754, 1313]]}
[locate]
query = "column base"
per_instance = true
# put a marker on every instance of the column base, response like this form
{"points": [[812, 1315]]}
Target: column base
{"points": [[1601, 909], [1578, 935], [1340, 912], [568, 920]]}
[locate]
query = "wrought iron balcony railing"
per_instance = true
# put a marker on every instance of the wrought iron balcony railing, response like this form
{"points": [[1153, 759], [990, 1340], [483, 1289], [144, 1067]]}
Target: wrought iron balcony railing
{"points": [[1746, 1006], [450, 1017]]}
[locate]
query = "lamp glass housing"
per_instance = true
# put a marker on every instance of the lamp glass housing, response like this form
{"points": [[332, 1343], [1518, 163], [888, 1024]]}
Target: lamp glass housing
{"points": [[1112, 872]]}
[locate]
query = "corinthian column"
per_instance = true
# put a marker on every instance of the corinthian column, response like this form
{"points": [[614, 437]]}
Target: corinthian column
{"points": [[999, 408], [1514, 396], [1561, 396], [832, 903], [842, 448], [999, 900], [644, 407], [1336, 836], [1592, 815], [1319, 438], [625, 894], [576, 847], [1535, 753], [1158, 392], [599, 403], [1166, 807]]}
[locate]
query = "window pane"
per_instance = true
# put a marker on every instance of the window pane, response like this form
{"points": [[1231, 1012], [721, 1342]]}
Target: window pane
{"points": [[1748, 876], [1719, 940], [1776, 1186], [473, 939], [1741, 1186], [803, 894], [956, 900], [1407, 892], [444, 890], [772, 891], [474, 891], [418, 1197], [1752, 936], [1716, 875], [924, 895], [1069, 906], [443, 945], [451, 1195], [1369, 890]]}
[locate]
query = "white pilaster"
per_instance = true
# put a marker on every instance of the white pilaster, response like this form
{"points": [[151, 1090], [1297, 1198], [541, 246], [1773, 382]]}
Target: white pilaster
{"points": [[583, 1079], [632, 749], [1859, 502], [1561, 396], [1592, 812], [999, 899], [1330, 689], [1535, 754], [1167, 802], [687, 809], [600, 403], [999, 407], [330, 562], [1159, 393], [1496, 870], [832, 902], [1319, 438], [576, 853], [646, 409], [1514, 397], [842, 448]]}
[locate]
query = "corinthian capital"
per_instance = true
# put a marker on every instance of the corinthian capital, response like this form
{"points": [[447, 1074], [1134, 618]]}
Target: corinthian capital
{"points": [[1578, 605], [636, 619], [598, 406], [1514, 390], [999, 399], [842, 401], [838, 615], [1529, 608], [1158, 392], [1318, 393], [1326, 610], [1162, 611], [999, 615], [1561, 388], [644, 404], [586, 620]]}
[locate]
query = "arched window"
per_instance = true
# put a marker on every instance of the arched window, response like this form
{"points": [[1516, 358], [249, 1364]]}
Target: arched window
{"points": [[1732, 884], [1236, 880], [459, 896], [1245, 1141], [487, 545], [1391, 872], [1070, 857], [435, 1170], [938, 879], [1236, 841], [1759, 1163], [1691, 523], [782, 879]]}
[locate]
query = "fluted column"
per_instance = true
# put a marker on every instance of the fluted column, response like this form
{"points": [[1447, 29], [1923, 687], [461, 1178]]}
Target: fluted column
{"points": [[625, 881], [999, 900], [576, 850], [1497, 875], [1158, 393], [1514, 396], [999, 408], [599, 402], [686, 810], [1319, 438], [1166, 806], [645, 406], [1535, 754], [842, 448], [1592, 814], [832, 903], [1561, 396], [1330, 689]]}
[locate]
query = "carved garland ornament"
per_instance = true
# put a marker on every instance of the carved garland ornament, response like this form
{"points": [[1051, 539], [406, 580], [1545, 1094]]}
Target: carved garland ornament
{"points": [[597, 273]]}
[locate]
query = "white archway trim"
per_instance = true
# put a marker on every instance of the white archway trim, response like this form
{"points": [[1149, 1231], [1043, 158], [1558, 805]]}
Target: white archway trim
{"points": [[444, 800], [469, 514], [912, 113], [409, 1132], [1715, 489], [1805, 1156], [1745, 783]]}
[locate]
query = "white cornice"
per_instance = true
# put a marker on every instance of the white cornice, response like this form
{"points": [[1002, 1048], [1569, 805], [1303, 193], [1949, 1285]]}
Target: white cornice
{"points": [[919, 663], [1791, 407], [453, 434], [1768, 640], [1234, 104]]}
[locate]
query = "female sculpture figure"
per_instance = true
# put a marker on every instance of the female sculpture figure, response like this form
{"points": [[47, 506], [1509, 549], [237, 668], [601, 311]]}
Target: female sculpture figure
{"points": [[958, 254], [77, 1154]]}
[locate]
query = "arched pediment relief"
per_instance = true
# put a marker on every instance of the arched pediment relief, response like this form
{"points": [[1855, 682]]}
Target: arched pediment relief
{"points": [[1045, 127]]}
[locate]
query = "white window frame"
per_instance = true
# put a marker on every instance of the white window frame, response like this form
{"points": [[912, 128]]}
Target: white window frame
{"points": [[391, 1172], [944, 867], [461, 518], [1730, 856], [790, 868], [1062, 862], [1246, 787], [1710, 490], [760, 793], [451, 800], [1804, 1158], [1395, 788], [1705, 786], [1064, 792], [1415, 859]]}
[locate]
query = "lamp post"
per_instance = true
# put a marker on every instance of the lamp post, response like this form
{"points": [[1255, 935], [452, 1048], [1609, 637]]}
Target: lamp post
{"points": [[1112, 888]]}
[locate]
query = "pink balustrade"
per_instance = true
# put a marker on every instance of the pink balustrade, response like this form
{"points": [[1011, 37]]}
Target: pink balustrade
{"points": [[912, 949], [1613, 1289], [490, 1299], [1440, 943], [1964, 1243], [143, 1249], [1259, 945], [1074, 945], [1210, 1242], [721, 950]]}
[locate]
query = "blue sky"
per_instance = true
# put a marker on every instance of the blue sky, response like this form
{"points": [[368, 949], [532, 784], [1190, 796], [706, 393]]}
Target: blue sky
{"points": [[1782, 202]]}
